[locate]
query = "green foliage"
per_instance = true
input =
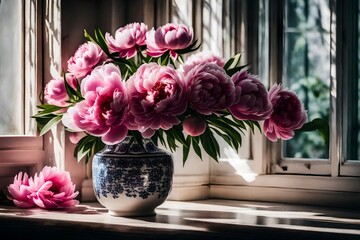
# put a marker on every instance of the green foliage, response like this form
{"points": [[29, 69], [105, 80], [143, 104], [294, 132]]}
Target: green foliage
{"points": [[49, 116], [318, 124], [223, 125], [312, 140], [232, 65], [87, 147]]}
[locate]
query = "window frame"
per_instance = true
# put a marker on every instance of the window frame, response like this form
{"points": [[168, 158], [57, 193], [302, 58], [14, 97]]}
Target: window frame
{"points": [[345, 67], [26, 152], [336, 165], [331, 183], [27, 149]]}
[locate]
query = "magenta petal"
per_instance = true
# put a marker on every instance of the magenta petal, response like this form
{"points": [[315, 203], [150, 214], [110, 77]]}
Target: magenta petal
{"points": [[288, 114], [148, 133], [115, 135], [23, 204]]}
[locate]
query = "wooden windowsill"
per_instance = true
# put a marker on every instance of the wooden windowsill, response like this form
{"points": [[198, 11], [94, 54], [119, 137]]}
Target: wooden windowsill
{"points": [[205, 219]]}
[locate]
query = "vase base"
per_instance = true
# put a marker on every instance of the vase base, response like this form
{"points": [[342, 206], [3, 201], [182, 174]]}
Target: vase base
{"points": [[131, 214]]}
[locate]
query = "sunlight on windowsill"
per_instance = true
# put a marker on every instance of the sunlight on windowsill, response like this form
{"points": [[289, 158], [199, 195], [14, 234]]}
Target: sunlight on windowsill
{"points": [[241, 166], [211, 217]]}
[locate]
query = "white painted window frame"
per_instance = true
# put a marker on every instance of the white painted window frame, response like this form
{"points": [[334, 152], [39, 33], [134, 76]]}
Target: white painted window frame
{"points": [[25, 152]]}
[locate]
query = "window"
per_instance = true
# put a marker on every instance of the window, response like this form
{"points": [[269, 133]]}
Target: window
{"points": [[299, 43], [316, 39], [347, 76], [304, 45], [20, 149], [305, 68], [307, 64], [11, 45]]}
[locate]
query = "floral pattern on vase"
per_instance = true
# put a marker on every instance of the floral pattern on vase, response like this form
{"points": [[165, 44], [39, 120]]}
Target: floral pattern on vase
{"points": [[132, 180]]}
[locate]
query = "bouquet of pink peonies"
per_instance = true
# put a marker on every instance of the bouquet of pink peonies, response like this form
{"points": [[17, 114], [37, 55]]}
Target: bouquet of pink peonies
{"points": [[137, 82]]}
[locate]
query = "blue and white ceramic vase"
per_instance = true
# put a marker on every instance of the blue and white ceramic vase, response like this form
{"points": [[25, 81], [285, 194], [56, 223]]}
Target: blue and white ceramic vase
{"points": [[131, 179]]}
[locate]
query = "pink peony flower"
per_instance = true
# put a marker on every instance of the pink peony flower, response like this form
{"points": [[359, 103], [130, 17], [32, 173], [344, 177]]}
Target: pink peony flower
{"points": [[103, 112], [251, 98], [168, 37], [194, 126], [127, 39], [55, 91], [157, 95], [53, 188], [85, 59], [19, 190], [210, 88], [288, 114], [201, 57]]}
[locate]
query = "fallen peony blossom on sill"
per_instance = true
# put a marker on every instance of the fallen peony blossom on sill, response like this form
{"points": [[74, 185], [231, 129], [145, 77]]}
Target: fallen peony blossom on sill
{"points": [[51, 188]]}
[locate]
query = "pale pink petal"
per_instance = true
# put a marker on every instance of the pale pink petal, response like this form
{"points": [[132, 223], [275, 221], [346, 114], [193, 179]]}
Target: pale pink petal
{"points": [[170, 37]]}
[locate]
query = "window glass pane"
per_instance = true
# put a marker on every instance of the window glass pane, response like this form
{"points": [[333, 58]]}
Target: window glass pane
{"points": [[11, 67], [358, 89], [352, 116], [307, 69], [263, 41]]}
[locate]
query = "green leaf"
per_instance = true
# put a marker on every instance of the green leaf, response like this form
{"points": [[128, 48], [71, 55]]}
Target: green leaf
{"points": [[322, 125], [165, 61], [240, 123], [45, 106], [97, 146], [250, 124], [70, 91], [48, 110], [138, 137], [171, 141], [177, 133], [226, 128], [160, 133], [88, 36], [100, 40], [232, 71], [42, 121], [257, 125], [196, 147], [186, 149], [191, 48], [180, 59], [224, 136], [87, 146], [232, 62], [231, 132], [80, 144], [210, 144], [82, 153], [155, 138], [50, 124]]}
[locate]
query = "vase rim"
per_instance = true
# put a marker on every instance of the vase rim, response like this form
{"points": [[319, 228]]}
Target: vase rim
{"points": [[140, 155]]}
